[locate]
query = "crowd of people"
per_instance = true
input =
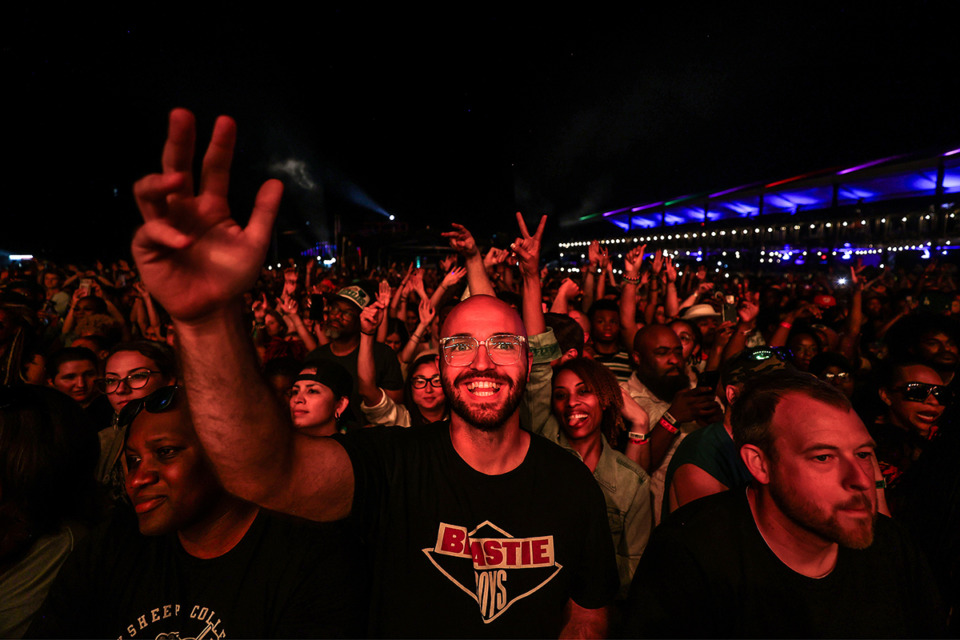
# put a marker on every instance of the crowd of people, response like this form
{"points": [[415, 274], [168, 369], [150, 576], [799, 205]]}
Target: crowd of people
{"points": [[195, 443]]}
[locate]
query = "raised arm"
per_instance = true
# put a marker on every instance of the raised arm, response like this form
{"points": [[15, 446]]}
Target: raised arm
{"points": [[461, 240], [366, 368], [527, 250], [628, 293], [196, 260]]}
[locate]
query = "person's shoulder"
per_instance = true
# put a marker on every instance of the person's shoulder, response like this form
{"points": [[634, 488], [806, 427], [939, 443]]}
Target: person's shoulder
{"points": [[628, 468], [708, 514]]}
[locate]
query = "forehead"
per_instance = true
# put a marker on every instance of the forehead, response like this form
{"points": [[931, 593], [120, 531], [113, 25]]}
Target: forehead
{"points": [[606, 314], [659, 338], [427, 369], [123, 362], [481, 317], [936, 336], [918, 373], [73, 366], [86, 304], [173, 424], [801, 421], [567, 378]]}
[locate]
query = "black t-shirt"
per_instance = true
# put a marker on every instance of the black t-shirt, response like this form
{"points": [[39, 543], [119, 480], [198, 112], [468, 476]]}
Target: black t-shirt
{"points": [[284, 579], [385, 363], [457, 553], [707, 572]]}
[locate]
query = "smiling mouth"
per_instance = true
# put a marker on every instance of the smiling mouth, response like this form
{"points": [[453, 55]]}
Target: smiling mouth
{"points": [[145, 506], [576, 418], [483, 388]]}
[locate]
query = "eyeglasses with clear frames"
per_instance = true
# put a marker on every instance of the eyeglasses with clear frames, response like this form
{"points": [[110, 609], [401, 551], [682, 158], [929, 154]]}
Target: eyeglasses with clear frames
{"points": [[136, 379], [502, 349]]}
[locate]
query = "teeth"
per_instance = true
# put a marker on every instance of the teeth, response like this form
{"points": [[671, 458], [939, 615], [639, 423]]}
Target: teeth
{"points": [[483, 387], [576, 417]]}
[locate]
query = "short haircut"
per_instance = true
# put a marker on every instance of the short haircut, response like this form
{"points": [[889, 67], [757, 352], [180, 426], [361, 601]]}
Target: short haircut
{"points": [[161, 354], [603, 304], [889, 373], [601, 381], [69, 354], [753, 411], [568, 332]]}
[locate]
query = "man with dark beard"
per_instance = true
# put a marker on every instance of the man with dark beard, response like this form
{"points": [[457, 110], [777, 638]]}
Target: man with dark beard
{"points": [[801, 552], [661, 386], [473, 528]]}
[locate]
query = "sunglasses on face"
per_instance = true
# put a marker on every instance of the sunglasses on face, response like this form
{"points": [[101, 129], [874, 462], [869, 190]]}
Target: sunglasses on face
{"points": [[920, 391], [157, 402]]}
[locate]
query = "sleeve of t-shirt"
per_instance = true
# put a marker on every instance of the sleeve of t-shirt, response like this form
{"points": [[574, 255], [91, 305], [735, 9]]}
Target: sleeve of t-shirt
{"points": [[373, 454], [389, 375]]}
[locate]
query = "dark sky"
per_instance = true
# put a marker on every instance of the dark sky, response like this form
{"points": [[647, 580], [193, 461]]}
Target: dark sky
{"points": [[464, 114]]}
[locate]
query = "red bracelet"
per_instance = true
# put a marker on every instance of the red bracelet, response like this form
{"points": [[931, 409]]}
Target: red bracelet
{"points": [[669, 426]]}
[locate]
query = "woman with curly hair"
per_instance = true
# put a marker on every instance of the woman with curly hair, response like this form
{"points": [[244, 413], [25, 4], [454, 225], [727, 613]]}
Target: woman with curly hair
{"points": [[588, 406]]}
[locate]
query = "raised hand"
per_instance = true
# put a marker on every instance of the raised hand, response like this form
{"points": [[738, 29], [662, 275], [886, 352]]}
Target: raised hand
{"points": [[259, 308], [461, 240], [193, 257], [749, 307], [670, 269], [370, 317], [633, 260], [568, 289], [383, 293], [494, 257], [527, 247], [448, 262], [657, 265], [288, 306], [593, 253], [454, 276], [427, 312]]}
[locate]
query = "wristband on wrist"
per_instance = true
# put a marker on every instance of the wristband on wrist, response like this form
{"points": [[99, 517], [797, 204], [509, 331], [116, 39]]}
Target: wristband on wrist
{"points": [[373, 333], [638, 438], [669, 423], [786, 325]]}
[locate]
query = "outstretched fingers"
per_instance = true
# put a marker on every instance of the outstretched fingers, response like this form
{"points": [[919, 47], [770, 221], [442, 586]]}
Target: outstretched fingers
{"points": [[178, 149], [264, 213], [215, 173]]}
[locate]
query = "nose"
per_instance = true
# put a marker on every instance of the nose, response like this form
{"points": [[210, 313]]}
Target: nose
{"points": [[858, 473], [143, 476], [482, 361], [931, 399]]}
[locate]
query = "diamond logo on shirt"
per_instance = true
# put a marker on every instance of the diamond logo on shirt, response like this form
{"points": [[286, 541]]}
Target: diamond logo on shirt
{"points": [[491, 566]]}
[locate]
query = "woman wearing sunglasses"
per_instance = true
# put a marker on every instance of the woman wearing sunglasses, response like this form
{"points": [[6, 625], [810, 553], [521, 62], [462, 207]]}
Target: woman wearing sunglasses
{"points": [[915, 399]]}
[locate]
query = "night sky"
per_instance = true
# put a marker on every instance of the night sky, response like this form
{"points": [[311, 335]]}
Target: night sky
{"points": [[465, 114]]}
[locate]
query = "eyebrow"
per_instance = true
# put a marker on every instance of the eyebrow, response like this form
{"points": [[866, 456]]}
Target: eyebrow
{"points": [[823, 446]]}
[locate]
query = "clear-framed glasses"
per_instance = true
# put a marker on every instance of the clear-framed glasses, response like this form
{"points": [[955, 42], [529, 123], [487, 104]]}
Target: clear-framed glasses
{"points": [[502, 349], [136, 379], [419, 382]]}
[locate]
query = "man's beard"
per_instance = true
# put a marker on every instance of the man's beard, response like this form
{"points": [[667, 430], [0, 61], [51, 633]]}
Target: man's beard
{"points": [[484, 416], [331, 332], [813, 518], [664, 387]]}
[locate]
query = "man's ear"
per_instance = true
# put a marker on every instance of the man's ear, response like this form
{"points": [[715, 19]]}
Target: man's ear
{"points": [[635, 358], [885, 397], [730, 393], [569, 354], [758, 464], [341, 406]]}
